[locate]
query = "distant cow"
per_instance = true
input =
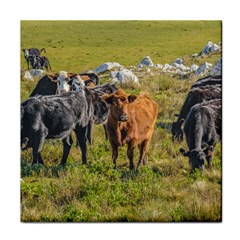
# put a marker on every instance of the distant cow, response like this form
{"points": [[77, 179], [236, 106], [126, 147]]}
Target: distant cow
{"points": [[49, 117], [131, 121], [32, 51], [196, 95], [203, 129], [38, 62]]}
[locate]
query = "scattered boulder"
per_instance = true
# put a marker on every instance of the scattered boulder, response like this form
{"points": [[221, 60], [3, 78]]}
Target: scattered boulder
{"points": [[146, 61], [179, 61], [194, 68], [124, 76], [210, 47], [107, 66], [160, 66], [167, 67], [195, 55], [203, 69], [37, 72], [28, 76], [217, 69]]}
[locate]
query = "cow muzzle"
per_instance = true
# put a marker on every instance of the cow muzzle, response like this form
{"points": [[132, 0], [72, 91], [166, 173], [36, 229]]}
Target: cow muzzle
{"points": [[123, 118]]}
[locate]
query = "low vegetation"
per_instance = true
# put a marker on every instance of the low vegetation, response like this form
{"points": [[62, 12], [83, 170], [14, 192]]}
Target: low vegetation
{"points": [[161, 191]]}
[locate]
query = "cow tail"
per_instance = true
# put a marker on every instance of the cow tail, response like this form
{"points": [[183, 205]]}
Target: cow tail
{"points": [[49, 65], [43, 49]]}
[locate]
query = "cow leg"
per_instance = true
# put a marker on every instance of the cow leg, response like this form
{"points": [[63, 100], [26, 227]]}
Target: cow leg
{"points": [[67, 144], [40, 160], [81, 133], [37, 146], [209, 161], [89, 131], [143, 150], [114, 154], [105, 130], [130, 152]]}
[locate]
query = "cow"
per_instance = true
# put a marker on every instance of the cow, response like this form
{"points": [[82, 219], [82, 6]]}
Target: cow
{"points": [[64, 82], [195, 95], [131, 121], [55, 116], [217, 80], [203, 130], [38, 62], [43, 62], [32, 51], [56, 83]]}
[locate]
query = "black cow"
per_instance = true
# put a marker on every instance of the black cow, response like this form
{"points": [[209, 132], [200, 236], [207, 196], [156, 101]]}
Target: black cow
{"points": [[38, 62], [203, 129], [32, 52], [49, 117], [46, 86], [195, 95], [210, 80]]}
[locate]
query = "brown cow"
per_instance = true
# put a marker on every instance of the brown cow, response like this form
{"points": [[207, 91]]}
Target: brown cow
{"points": [[131, 120]]}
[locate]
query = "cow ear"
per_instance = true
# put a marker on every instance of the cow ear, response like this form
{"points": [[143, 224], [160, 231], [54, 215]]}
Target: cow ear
{"points": [[183, 152], [108, 98], [181, 122], [52, 77], [131, 98]]}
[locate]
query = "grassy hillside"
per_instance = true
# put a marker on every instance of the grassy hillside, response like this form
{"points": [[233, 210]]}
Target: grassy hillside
{"points": [[161, 191], [80, 45]]}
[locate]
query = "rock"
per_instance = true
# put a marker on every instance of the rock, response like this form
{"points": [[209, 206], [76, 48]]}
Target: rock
{"points": [[167, 67], [107, 66], [148, 70], [217, 69], [183, 68], [195, 55], [140, 65], [203, 69], [37, 72], [147, 62], [160, 66], [28, 76], [210, 47], [194, 68], [124, 76], [176, 65], [179, 61]]}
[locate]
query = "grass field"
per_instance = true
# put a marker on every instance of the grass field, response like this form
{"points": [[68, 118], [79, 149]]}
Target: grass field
{"points": [[162, 191]]}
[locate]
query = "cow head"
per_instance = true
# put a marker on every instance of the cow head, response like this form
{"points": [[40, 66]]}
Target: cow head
{"points": [[177, 130], [26, 53], [196, 158], [62, 81], [119, 104], [77, 83]]}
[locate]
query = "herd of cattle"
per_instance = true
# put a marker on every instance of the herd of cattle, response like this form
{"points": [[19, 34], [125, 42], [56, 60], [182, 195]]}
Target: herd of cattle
{"points": [[65, 102]]}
